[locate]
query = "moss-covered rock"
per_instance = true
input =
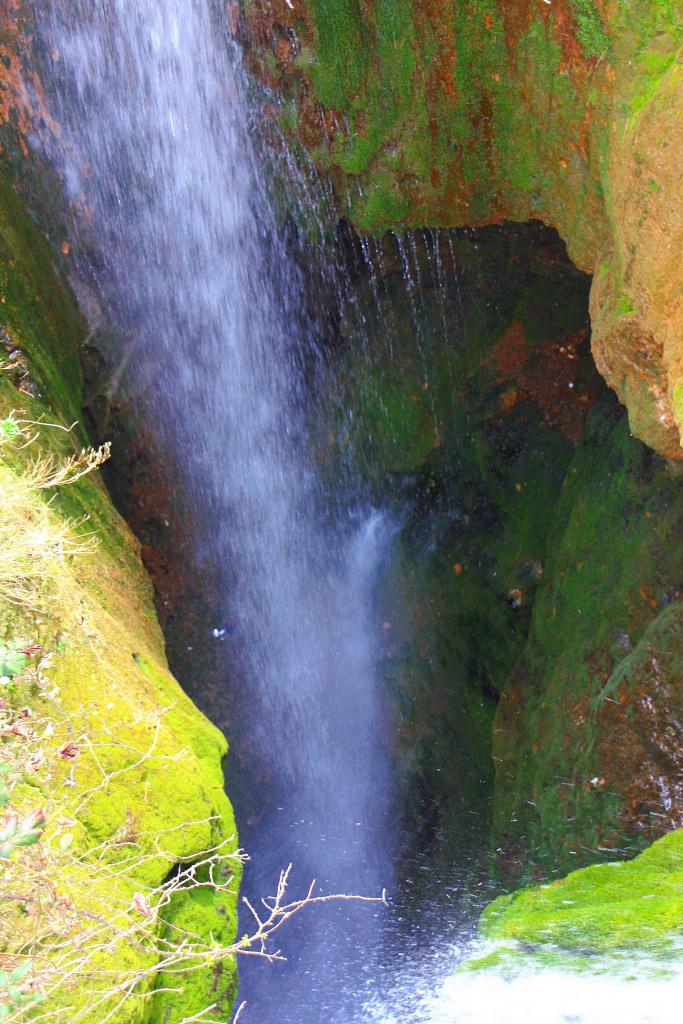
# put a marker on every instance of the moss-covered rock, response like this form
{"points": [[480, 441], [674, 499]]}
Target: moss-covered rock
{"points": [[456, 112], [587, 741], [608, 917], [148, 764]]}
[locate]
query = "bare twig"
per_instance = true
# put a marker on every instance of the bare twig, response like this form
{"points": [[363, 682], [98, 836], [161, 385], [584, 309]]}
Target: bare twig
{"points": [[68, 904], [71, 929]]}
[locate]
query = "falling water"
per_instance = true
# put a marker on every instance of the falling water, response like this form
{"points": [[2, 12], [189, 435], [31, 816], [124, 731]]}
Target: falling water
{"points": [[207, 305]]}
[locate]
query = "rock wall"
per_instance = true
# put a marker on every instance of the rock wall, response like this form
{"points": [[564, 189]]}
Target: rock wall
{"points": [[456, 112], [533, 623], [587, 737]]}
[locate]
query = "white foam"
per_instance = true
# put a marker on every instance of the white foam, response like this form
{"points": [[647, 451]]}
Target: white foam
{"points": [[536, 997]]}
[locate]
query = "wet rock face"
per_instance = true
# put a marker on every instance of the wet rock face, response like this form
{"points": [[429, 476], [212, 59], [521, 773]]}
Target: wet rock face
{"points": [[443, 113], [532, 624], [23, 104], [456, 112], [640, 727], [463, 389], [13, 97], [587, 737]]}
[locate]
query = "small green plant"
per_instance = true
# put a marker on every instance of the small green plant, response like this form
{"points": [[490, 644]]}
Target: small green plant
{"points": [[12, 996], [14, 428], [5, 770], [10, 430], [13, 659], [19, 832]]}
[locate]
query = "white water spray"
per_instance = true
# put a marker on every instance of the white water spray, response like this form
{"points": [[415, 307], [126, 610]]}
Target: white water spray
{"points": [[208, 312], [544, 996]]}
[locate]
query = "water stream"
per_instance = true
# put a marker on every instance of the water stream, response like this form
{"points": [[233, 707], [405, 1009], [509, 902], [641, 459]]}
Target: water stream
{"points": [[207, 307]]}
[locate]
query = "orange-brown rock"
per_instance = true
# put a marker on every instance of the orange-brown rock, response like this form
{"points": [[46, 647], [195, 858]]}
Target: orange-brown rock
{"points": [[457, 112]]}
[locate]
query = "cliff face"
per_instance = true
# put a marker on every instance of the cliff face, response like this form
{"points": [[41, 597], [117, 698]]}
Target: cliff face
{"points": [[460, 112], [586, 741]]}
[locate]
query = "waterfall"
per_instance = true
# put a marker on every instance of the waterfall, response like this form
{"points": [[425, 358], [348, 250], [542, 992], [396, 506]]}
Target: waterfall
{"points": [[207, 309]]}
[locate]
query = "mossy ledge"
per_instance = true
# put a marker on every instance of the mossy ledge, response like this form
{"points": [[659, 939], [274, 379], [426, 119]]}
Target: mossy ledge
{"points": [[109, 667], [607, 917]]}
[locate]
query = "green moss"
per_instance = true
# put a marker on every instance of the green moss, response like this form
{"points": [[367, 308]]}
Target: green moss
{"points": [[375, 100], [638, 26], [382, 206], [624, 306], [187, 992], [533, 122], [162, 758], [603, 909], [656, 73], [590, 29], [341, 55], [353, 155], [648, 37], [393, 24], [37, 308], [678, 404]]}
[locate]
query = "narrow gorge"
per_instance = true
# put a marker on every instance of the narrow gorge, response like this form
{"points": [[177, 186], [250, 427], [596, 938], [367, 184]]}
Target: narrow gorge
{"points": [[340, 380]]}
